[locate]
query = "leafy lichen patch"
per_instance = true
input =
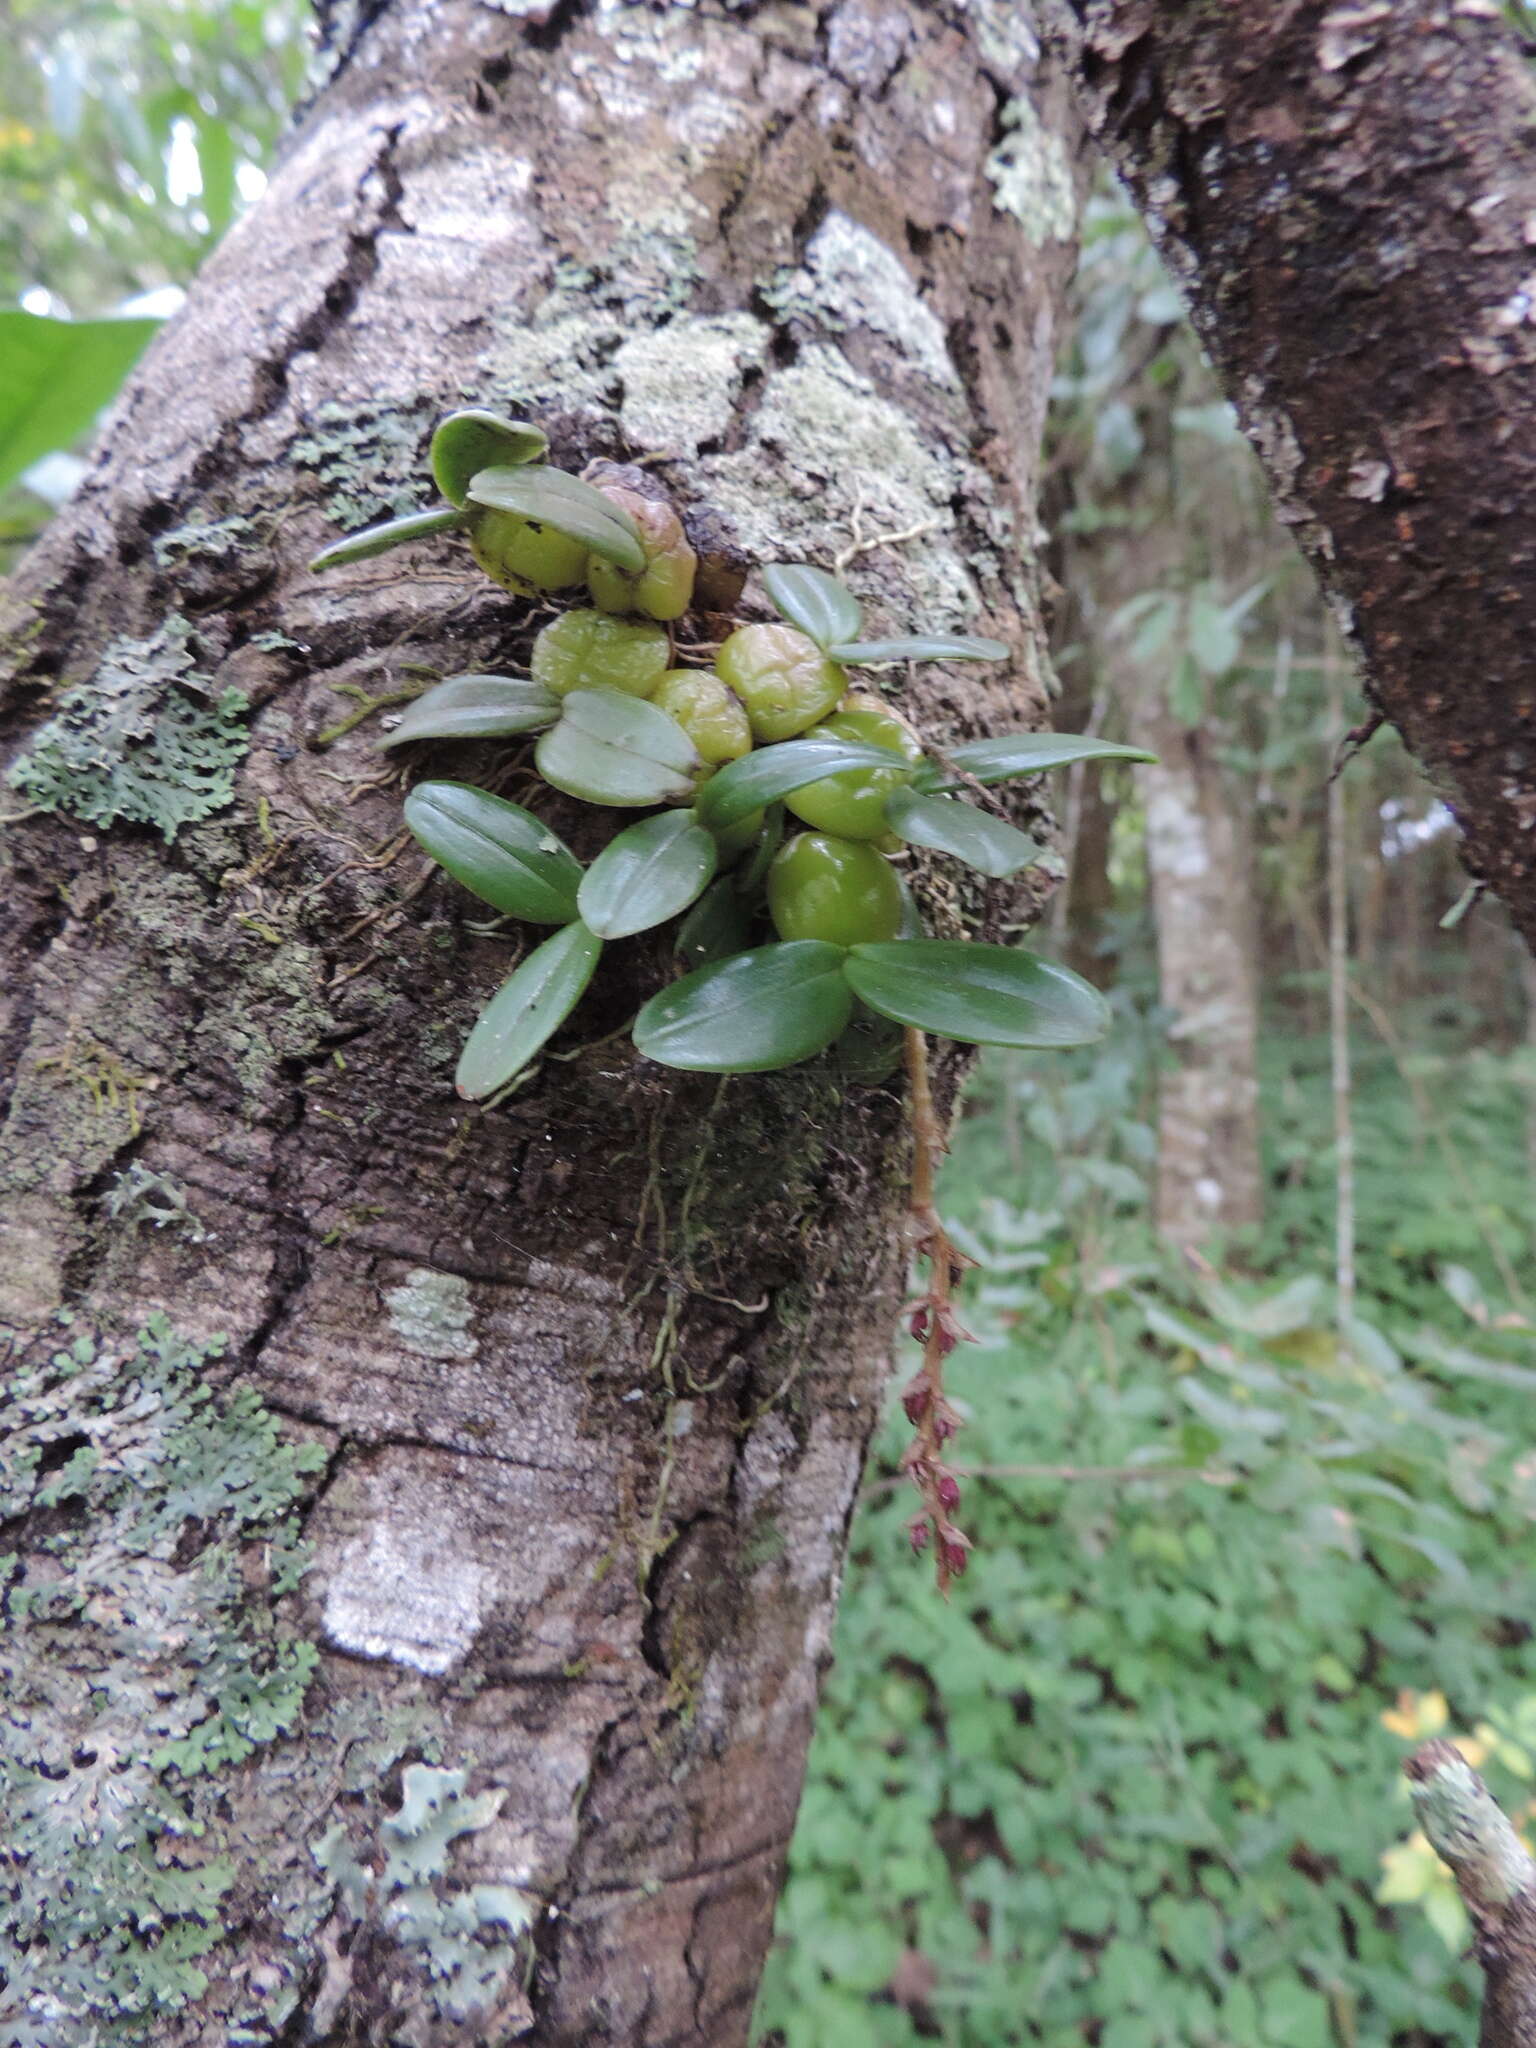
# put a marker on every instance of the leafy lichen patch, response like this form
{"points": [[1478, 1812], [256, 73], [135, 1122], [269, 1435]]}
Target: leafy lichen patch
{"points": [[217, 540], [465, 1938], [368, 457], [135, 1675], [147, 739]]}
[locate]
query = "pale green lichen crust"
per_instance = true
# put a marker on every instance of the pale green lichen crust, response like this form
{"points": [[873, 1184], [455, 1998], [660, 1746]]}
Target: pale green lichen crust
{"points": [[1031, 177], [140, 1663]]}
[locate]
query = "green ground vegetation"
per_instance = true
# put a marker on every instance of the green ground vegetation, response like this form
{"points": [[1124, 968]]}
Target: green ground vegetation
{"points": [[1136, 1783]]}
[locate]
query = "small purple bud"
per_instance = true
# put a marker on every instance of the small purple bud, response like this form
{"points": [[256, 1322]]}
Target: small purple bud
{"points": [[915, 1401], [948, 1490], [953, 1556], [917, 1534]]}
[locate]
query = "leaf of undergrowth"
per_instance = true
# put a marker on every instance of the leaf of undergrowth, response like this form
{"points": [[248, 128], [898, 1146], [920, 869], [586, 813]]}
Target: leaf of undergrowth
{"points": [[1021, 753], [649, 873], [464, 443], [531, 1004], [814, 601], [393, 533], [476, 707], [717, 926], [551, 497], [507, 856], [921, 647], [763, 1009], [55, 376], [761, 777], [949, 825], [611, 749], [981, 994]]}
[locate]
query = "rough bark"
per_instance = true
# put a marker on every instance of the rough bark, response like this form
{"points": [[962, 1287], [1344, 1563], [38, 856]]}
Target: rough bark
{"points": [[1347, 194], [1199, 864], [1496, 1877], [585, 1381]]}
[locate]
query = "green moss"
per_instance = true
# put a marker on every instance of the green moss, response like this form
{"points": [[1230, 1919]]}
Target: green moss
{"points": [[140, 1659], [145, 739]]}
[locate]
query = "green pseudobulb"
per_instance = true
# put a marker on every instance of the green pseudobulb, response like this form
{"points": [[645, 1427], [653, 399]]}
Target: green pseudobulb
{"points": [[663, 589], [589, 651], [782, 677], [714, 719], [524, 556], [839, 890], [852, 804]]}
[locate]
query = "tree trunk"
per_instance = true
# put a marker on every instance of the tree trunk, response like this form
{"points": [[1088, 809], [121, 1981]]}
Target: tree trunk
{"points": [[1199, 864], [1346, 194], [575, 1392]]}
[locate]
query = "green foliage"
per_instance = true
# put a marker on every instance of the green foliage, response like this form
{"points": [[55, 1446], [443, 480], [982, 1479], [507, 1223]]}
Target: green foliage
{"points": [[648, 875], [127, 130], [843, 913], [529, 1007], [757, 1010], [146, 740], [139, 1655], [1133, 1783], [476, 707], [55, 376], [508, 857]]}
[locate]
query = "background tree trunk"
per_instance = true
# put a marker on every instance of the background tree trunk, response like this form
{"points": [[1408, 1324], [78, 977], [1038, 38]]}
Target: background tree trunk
{"points": [[1345, 193], [584, 1383], [1199, 865]]}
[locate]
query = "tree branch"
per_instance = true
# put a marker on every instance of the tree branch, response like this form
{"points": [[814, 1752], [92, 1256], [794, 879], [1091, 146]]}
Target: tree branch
{"points": [[1346, 194], [1496, 1876]]}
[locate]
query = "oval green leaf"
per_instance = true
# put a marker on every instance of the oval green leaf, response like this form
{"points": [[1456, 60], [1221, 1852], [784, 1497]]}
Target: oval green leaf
{"points": [[552, 498], [464, 443], [649, 873], [531, 1004], [476, 707], [394, 533], [763, 1009], [949, 825], [1021, 753], [611, 749], [983, 995], [768, 773], [922, 647], [508, 857], [814, 601], [717, 926]]}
